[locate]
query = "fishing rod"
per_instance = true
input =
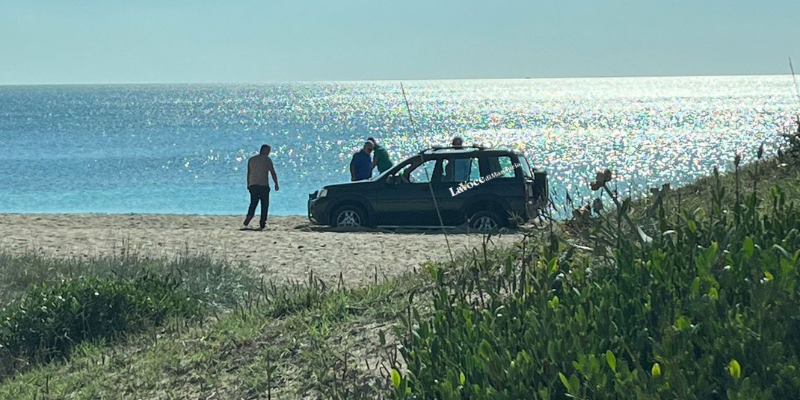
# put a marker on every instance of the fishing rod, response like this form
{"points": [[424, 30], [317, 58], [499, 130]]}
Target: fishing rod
{"points": [[796, 88], [797, 91], [430, 186]]}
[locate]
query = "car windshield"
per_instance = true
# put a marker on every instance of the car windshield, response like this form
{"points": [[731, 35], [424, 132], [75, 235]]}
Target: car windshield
{"points": [[405, 163], [376, 177]]}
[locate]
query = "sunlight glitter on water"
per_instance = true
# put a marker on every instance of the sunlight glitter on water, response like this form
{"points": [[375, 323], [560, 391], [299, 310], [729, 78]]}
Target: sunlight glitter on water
{"points": [[164, 144]]}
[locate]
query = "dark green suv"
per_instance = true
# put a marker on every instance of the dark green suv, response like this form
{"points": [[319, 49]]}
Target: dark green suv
{"points": [[483, 187]]}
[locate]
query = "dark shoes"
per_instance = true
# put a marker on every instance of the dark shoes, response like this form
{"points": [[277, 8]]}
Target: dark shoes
{"points": [[249, 218]]}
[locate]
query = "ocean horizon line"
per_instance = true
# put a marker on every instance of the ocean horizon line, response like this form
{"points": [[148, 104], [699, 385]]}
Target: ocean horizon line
{"points": [[351, 81]]}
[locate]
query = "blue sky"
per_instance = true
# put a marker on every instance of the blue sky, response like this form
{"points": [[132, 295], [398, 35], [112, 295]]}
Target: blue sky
{"points": [[147, 41]]}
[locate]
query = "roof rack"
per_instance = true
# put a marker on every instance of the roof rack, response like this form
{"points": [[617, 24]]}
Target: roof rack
{"points": [[440, 148]]}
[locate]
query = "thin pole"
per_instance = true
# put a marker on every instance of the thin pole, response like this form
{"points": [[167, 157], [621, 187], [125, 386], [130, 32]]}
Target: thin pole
{"points": [[430, 186], [796, 88]]}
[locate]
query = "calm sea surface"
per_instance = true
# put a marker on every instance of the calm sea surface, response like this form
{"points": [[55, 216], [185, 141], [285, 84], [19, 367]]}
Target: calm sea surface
{"points": [[183, 148]]}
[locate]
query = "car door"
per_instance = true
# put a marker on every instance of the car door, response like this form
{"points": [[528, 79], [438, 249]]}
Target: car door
{"points": [[507, 182], [458, 169], [405, 197]]}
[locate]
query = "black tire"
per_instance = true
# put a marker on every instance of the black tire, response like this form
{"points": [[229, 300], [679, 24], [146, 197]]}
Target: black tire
{"points": [[485, 221], [349, 217]]}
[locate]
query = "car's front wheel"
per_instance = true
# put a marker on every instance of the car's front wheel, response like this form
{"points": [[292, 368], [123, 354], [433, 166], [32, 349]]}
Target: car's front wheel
{"points": [[349, 217], [485, 221]]}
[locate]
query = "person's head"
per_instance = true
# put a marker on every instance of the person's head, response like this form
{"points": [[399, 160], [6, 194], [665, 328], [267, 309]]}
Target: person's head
{"points": [[368, 146], [457, 142], [265, 149]]}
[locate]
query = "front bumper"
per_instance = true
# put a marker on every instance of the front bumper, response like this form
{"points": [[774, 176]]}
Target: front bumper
{"points": [[317, 209]]}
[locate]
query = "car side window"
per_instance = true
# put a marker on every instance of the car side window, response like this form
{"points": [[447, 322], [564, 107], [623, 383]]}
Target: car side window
{"points": [[422, 173], [461, 170], [474, 169], [503, 166]]}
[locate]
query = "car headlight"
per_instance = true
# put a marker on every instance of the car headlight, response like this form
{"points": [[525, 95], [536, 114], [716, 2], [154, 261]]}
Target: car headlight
{"points": [[322, 193]]}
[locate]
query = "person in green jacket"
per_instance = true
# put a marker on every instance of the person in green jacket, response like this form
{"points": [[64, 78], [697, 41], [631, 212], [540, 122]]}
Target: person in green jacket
{"points": [[381, 157]]}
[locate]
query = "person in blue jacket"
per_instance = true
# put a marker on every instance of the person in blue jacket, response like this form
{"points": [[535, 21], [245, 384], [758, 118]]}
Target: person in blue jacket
{"points": [[361, 164]]}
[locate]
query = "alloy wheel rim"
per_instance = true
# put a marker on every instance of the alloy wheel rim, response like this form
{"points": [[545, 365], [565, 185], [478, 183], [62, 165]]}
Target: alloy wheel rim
{"points": [[485, 223], [348, 218]]}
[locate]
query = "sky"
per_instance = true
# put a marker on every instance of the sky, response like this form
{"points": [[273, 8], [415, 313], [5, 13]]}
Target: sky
{"points": [[233, 41]]}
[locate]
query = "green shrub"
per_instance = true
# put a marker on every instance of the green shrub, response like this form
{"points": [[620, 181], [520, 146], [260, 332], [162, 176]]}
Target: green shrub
{"points": [[48, 321], [791, 146], [216, 283], [710, 309]]}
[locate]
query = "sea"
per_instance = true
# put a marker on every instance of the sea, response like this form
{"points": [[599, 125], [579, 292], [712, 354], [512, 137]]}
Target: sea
{"points": [[183, 148]]}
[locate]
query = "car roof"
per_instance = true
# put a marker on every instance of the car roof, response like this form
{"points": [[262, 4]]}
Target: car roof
{"points": [[437, 150]]}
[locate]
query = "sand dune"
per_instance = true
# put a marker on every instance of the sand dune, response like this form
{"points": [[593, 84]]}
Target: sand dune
{"points": [[288, 249]]}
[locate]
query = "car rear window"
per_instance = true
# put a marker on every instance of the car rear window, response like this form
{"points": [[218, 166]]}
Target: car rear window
{"points": [[526, 167]]}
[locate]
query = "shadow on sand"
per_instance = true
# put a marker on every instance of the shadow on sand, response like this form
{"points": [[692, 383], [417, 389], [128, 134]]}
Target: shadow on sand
{"points": [[252, 229], [453, 230]]}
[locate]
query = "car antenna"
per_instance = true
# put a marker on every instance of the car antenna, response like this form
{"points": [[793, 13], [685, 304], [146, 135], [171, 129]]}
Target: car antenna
{"points": [[430, 187]]}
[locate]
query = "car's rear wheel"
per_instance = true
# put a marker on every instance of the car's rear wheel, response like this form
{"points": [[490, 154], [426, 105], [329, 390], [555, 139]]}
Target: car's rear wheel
{"points": [[485, 221], [349, 217]]}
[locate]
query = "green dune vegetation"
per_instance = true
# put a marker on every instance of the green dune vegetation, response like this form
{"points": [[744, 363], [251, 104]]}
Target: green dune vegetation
{"points": [[688, 293]]}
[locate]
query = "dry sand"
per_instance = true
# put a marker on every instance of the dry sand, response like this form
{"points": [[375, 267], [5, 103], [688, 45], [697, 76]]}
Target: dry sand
{"points": [[288, 249]]}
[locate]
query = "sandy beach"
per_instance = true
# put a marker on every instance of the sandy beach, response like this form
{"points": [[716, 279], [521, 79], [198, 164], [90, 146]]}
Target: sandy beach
{"points": [[288, 249]]}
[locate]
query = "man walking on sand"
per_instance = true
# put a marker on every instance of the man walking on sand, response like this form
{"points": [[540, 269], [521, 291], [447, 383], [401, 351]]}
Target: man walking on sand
{"points": [[259, 168]]}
